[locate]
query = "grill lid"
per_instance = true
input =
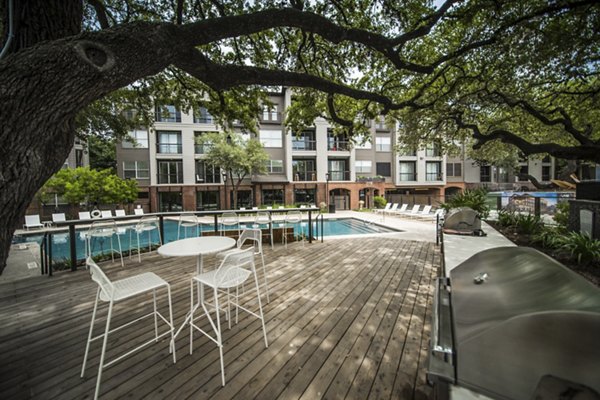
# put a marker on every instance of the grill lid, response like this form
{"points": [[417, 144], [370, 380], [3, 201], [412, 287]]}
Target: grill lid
{"points": [[462, 220], [527, 318]]}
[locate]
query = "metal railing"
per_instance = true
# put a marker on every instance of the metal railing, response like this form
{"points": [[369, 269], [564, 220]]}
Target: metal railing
{"points": [[69, 227], [317, 218]]}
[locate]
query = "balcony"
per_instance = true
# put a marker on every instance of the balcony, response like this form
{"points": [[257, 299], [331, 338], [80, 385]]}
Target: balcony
{"points": [[407, 177], [339, 145], [339, 175], [374, 179], [202, 148], [433, 177], [303, 144], [309, 176]]}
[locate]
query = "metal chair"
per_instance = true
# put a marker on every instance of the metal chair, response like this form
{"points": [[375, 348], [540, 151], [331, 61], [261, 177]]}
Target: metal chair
{"points": [[229, 219], [113, 292], [254, 236], [233, 271], [188, 221], [104, 230], [85, 215], [59, 217], [138, 211], [106, 214], [264, 218], [120, 213], [145, 224], [293, 218]]}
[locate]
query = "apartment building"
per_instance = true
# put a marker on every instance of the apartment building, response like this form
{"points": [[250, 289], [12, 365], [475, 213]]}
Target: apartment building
{"points": [[310, 167]]}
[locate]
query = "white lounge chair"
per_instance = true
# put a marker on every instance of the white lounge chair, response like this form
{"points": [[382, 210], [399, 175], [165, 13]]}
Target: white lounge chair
{"points": [[32, 221], [391, 210], [424, 213], [106, 214], [138, 211], [433, 216], [410, 213], [85, 215], [401, 209], [120, 213], [384, 209], [59, 217]]}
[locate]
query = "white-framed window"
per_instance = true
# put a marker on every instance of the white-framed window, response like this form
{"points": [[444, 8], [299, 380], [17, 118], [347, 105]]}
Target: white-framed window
{"points": [[364, 166], [275, 166], [271, 138], [407, 171], [433, 150], [454, 169], [433, 171], [270, 113], [362, 142], [136, 170], [140, 140], [383, 143]]}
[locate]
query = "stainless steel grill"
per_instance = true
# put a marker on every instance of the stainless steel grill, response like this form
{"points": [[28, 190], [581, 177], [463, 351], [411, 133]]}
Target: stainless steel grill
{"points": [[511, 322], [463, 220]]}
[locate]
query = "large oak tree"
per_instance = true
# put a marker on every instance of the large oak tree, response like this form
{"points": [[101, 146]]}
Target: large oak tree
{"points": [[446, 68]]}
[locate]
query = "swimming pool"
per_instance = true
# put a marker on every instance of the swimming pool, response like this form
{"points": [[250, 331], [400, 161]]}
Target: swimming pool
{"points": [[61, 247]]}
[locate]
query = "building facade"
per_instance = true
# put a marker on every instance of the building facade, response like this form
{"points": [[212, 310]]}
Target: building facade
{"points": [[309, 167]]}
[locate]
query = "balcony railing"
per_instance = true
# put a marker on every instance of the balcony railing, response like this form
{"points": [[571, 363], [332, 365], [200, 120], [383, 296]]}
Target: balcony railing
{"points": [[408, 176], [339, 145], [339, 175], [204, 119], [170, 178], [304, 144], [202, 148], [305, 176], [208, 178], [168, 148], [433, 176]]}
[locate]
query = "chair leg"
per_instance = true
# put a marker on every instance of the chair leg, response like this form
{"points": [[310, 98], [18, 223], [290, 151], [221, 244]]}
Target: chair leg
{"points": [[262, 317], [87, 346], [192, 316], [219, 340], [120, 249], [103, 353], [172, 343], [155, 316], [262, 256], [139, 248]]}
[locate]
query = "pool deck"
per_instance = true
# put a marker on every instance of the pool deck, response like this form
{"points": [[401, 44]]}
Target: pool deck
{"points": [[348, 318]]}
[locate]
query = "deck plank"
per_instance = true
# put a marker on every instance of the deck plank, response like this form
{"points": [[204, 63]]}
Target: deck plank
{"points": [[347, 318]]}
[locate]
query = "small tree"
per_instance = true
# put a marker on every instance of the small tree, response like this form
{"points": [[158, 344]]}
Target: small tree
{"points": [[89, 186], [239, 158]]}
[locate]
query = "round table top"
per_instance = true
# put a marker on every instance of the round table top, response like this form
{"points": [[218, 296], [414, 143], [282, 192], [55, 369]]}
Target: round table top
{"points": [[196, 246]]}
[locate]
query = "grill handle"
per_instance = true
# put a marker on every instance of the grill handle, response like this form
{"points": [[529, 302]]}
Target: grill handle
{"points": [[441, 335]]}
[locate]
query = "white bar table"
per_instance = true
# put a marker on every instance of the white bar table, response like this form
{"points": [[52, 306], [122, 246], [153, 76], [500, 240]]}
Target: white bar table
{"points": [[199, 247]]}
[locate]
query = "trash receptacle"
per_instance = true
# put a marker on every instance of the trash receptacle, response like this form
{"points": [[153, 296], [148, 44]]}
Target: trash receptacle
{"points": [[332, 208]]}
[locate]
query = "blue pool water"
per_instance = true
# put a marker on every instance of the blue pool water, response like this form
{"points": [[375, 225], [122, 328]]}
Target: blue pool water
{"points": [[61, 247]]}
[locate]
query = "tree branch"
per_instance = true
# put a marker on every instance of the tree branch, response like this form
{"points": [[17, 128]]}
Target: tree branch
{"points": [[101, 13]]}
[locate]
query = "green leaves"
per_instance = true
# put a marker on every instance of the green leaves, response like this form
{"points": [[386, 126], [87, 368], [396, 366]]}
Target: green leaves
{"points": [[89, 186]]}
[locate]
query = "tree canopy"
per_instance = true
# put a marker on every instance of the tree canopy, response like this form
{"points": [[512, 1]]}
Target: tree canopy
{"points": [[487, 71], [237, 157]]}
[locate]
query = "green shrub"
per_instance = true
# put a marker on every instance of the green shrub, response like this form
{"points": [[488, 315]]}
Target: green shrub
{"points": [[379, 201], [472, 198], [550, 238], [528, 224], [581, 247], [506, 218], [561, 217]]}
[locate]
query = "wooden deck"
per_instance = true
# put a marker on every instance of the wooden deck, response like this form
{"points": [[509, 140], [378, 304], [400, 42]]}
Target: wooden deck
{"points": [[347, 319]]}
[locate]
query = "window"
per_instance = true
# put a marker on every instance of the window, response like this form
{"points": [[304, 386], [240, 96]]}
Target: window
{"points": [[546, 160], [207, 200], [338, 170], [270, 113], [453, 169], [432, 150], [364, 166], [380, 124], [407, 151], [546, 173], [201, 148], [433, 171], [169, 142], [169, 201], [202, 116], [78, 157], [408, 171], [275, 166], [304, 170], [271, 138], [362, 142], [272, 196], [502, 175], [167, 113], [244, 198], [304, 141], [140, 140], [485, 174], [337, 142], [136, 170], [170, 171], [383, 143], [207, 173], [384, 168], [523, 170], [305, 196]]}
